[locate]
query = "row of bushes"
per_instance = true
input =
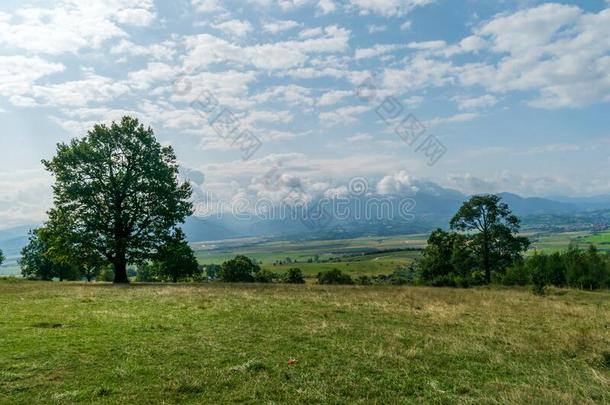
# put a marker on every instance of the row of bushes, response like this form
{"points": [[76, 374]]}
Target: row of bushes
{"points": [[574, 268]]}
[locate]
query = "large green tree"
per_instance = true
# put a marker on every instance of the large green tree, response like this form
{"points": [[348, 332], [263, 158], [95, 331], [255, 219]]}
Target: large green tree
{"points": [[1, 257], [119, 187], [493, 232]]}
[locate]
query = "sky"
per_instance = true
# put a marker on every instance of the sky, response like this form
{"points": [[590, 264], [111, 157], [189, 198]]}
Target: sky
{"points": [[477, 95]]}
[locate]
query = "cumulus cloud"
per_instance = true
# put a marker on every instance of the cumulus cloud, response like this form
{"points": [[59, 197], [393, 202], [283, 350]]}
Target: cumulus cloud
{"points": [[73, 25], [388, 8]]}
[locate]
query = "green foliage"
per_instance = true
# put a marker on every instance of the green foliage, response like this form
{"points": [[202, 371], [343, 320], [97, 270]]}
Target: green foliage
{"points": [[405, 275], [70, 247], [106, 274], [118, 187], [37, 263], [1, 257], [334, 276], [294, 276], [175, 259], [517, 274], [492, 233], [211, 271], [447, 255], [364, 280], [573, 268], [239, 269], [264, 276], [146, 273]]}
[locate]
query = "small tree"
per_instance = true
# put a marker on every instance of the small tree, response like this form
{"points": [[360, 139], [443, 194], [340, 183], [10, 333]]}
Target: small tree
{"points": [[34, 264], [1, 257], [334, 276], [69, 248], [294, 276], [175, 259], [38, 263], [494, 238], [239, 269]]}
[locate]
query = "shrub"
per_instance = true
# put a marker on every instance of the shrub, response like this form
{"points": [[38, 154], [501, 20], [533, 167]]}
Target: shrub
{"points": [[364, 280], [516, 275], [238, 269], [294, 276], [264, 276], [443, 281], [404, 275], [334, 276]]}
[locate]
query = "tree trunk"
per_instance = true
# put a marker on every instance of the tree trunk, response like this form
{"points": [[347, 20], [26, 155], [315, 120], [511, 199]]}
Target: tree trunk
{"points": [[486, 263], [120, 271]]}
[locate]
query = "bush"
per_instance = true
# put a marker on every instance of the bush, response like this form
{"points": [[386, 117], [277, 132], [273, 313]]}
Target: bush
{"points": [[404, 275], [516, 275], [264, 276], [239, 269], [294, 276], [334, 276], [364, 280], [443, 281]]}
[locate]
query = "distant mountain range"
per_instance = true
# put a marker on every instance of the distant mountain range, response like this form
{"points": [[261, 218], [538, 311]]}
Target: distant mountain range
{"points": [[434, 207]]}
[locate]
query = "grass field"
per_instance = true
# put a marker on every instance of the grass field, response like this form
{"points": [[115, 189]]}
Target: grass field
{"points": [[216, 343], [358, 256], [556, 242]]}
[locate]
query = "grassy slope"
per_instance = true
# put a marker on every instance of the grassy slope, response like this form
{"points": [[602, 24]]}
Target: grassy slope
{"points": [[63, 343]]}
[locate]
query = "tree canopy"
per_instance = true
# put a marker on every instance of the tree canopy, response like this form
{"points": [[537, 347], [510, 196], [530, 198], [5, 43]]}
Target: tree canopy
{"points": [[492, 231], [175, 259], [118, 189]]}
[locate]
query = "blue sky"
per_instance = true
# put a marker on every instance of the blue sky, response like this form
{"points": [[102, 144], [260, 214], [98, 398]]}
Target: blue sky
{"points": [[517, 92]]}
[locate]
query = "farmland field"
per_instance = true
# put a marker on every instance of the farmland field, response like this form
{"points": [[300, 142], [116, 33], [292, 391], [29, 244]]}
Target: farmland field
{"points": [[369, 255], [218, 343]]}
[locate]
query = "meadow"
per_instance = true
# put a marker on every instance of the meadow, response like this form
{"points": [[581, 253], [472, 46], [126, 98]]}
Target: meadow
{"points": [[219, 343], [366, 255]]}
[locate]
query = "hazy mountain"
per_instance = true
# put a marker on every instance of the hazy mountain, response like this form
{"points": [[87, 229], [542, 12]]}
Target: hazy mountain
{"points": [[434, 207]]}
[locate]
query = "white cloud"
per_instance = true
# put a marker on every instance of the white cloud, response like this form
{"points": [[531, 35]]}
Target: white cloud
{"points": [[475, 103], [388, 8], [326, 6], [379, 49], [431, 45], [237, 28], [163, 50], [92, 88], [205, 49], [555, 49], [405, 26], [73, 25], [377, 28], [291, 94], [18, 74], [333, 97], [207, 6], [342, 115], [280, 25]]}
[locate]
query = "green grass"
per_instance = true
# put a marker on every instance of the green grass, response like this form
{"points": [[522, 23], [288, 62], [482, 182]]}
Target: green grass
{"points": [[601, 239], [349, 251], [557, 242], [217, 343]]}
